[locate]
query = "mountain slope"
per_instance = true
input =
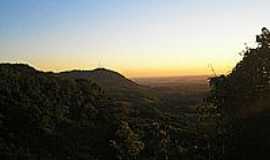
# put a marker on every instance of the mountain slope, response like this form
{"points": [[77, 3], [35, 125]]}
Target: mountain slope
{"points": [[46, 116], [104, 77], [43, 116], [117, 87]]}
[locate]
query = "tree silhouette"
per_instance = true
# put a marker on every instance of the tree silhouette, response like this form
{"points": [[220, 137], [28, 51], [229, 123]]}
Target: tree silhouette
{"points": [[242, 98]]}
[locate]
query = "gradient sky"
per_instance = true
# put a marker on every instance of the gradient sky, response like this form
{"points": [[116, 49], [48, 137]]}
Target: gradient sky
{"points": [[134, 37]]}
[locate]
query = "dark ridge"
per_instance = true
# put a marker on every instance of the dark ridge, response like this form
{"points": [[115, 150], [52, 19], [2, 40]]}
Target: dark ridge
{"points": [[102, 76], [18, 67], [43, 116]]}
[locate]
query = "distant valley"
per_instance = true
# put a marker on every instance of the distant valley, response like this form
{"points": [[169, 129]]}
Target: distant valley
{"points": [[183, 93]]}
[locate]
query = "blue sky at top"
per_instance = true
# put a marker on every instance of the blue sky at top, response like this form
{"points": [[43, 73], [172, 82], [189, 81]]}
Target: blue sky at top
{"points": [[136, 37]]}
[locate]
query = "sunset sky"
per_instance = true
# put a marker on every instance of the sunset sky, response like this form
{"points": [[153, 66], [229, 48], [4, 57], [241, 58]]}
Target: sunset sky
{"points": [[135, 37]]}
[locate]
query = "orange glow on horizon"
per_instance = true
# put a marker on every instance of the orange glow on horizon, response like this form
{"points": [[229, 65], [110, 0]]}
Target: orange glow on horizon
{"points": [[140, 72]]}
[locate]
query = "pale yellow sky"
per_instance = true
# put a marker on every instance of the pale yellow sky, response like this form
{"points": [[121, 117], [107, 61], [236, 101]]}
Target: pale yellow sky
{"points": [[137, 38]]}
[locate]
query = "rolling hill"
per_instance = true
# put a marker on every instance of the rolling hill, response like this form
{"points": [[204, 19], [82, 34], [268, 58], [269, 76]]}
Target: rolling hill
{"points": [[45, 115], [104, 77], [117, 86]]}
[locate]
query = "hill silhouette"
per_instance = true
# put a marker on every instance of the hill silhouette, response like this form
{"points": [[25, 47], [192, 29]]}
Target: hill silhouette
{"points": [[103, 77], [43, 116], [49, 116], [118, 87]]}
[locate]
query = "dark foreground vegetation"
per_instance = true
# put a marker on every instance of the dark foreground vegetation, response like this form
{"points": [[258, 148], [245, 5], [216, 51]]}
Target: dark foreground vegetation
{"points": [[240, 105], [80, 115], [47, 116]]}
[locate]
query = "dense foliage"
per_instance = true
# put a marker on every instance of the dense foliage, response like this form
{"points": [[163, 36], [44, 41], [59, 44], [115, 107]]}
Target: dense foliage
{"points": [[47, 116], [241, 104]]}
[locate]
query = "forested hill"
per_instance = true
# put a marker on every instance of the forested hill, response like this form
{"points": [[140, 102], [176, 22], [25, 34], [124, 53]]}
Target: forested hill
{"points": [[47, 116], [118, 87], [102, 76]]}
